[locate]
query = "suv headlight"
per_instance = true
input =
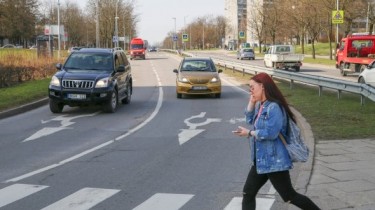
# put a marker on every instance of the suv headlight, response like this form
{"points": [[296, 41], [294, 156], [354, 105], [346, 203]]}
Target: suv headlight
{"points": [[102, 83], [55, 81]]}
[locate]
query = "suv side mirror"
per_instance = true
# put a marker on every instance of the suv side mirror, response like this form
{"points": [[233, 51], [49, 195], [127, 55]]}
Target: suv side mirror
{"points": [[121, 68], [58, 66]]}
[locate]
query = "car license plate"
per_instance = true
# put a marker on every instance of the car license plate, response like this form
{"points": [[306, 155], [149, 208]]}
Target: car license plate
{"points": [[77, 96], [199, 88]]}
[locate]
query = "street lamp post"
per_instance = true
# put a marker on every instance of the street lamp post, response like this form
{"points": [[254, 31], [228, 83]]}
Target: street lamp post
{"points": [[337, 25], [185, 30], [116, 26], [58, 30], [97, 24], [174, 35], [203, 33]]}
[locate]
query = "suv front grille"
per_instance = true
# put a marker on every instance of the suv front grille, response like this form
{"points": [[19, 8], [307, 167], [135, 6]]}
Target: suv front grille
{"points": [[81, 84]]}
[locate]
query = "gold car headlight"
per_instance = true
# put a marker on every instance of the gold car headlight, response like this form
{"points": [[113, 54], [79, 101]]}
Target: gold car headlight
{"points": [[213, 80], [55, 81], [183, 79]]}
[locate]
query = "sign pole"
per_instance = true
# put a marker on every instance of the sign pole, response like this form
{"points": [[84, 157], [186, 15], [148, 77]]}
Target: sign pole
{"points": [[337, 25]]}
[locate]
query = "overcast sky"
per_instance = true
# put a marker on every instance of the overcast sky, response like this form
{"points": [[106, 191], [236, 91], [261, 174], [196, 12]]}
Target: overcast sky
{"points": [[156, 16]]}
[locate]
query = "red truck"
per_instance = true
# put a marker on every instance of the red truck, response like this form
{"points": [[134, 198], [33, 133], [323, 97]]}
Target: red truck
{"points": [[138, 48], [354, 53]]}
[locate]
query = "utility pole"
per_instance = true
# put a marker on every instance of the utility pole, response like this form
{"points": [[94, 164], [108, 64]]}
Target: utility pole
{"points": [[58, 30], [337, 25], [97, 24]]}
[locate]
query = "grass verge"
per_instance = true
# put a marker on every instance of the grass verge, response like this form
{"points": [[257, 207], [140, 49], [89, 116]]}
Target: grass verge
{"points": [[23, 93]]}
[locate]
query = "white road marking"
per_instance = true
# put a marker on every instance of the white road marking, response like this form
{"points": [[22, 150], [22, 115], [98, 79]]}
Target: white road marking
{"points": [[187, 134], [163, 201], [131, 131], [65, 122], [262, 203], [83, 199], [16, 192]]}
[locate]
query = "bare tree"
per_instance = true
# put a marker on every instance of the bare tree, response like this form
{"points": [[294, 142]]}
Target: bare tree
{"points": [[257, 23]]}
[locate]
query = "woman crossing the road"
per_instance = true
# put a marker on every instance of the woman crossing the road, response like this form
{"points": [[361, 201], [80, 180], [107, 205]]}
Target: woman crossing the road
{"points": [[266, 113]]}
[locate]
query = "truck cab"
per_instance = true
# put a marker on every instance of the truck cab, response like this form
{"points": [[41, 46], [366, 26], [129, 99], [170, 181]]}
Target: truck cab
{"points": [[138, 48], [354, 53]]}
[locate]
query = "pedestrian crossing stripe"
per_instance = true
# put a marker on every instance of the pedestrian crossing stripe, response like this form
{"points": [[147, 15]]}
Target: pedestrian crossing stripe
{"points": [[87, 198], [16, 192], [175, 202]]}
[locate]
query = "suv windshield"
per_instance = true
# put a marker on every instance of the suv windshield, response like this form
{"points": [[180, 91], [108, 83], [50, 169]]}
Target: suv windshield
{"points": [[90, 61]]}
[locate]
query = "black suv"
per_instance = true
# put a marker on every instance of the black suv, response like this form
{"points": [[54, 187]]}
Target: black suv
{"points": [[92, 76]]}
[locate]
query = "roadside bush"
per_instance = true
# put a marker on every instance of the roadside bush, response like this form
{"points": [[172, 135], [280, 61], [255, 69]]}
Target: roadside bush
{"points": [[17, 66]]}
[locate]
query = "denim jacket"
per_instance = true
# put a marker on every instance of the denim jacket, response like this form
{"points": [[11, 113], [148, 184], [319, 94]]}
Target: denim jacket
{"points": [[269, 152]]}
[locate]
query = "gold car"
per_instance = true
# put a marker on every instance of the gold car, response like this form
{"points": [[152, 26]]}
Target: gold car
{"points": [[197, 76]]}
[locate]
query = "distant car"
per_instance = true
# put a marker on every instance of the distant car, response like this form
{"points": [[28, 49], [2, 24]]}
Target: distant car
{"points": [[197, 76], [34, 47], [8, 46], [92, 76], [72, 49], [246, 53], [152, 49], [118, 48], [367, 76]]}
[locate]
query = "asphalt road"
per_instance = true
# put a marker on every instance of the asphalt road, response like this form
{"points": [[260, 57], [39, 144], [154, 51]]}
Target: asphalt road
{"points": [[158, 152]]}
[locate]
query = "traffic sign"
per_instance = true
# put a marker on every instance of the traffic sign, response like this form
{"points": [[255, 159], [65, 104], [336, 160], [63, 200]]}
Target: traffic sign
{"points": [[337, 16], [241, 35], [175, 38], [185, 37], [114, 38]]}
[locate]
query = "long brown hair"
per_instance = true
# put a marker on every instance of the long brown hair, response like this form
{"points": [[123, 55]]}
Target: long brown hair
{"points": [[272, 92]]}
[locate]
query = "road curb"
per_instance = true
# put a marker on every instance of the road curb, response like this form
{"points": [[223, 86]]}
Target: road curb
{"points": [[305, 169], [23, 108]]}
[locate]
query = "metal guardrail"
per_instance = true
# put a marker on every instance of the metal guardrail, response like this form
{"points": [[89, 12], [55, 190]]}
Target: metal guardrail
{"points": [[364, 90]]}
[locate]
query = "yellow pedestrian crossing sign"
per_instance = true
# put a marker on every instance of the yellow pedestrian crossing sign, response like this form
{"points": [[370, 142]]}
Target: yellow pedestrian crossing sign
{"points": [[337, 16], [185, 37]]}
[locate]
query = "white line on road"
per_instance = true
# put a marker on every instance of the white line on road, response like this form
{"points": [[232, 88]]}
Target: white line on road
{"points": [[262, 204], [163, 201], [17, 191], [82, 200]]}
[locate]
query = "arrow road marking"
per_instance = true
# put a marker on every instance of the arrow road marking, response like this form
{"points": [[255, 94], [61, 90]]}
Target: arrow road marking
{"points": [[187, 134], [65, 123]]}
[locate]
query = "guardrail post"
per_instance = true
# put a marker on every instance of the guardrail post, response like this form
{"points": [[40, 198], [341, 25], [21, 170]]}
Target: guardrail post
{"points": [[234, 68], [320, 90], [225, 67], [291, 84], [243, 72], [362, 100], [338, 94]]}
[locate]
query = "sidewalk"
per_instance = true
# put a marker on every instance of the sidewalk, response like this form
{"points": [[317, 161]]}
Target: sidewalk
{"points": [[340, 173], [343, 175]]}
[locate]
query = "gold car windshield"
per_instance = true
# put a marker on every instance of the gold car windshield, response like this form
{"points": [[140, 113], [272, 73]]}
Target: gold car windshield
{"points": [[197, 65]]}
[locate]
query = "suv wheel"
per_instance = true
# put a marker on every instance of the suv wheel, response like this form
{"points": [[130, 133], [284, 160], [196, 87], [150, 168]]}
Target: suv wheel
{"points": [[55, 107], [111, 105], [128, 95]]}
